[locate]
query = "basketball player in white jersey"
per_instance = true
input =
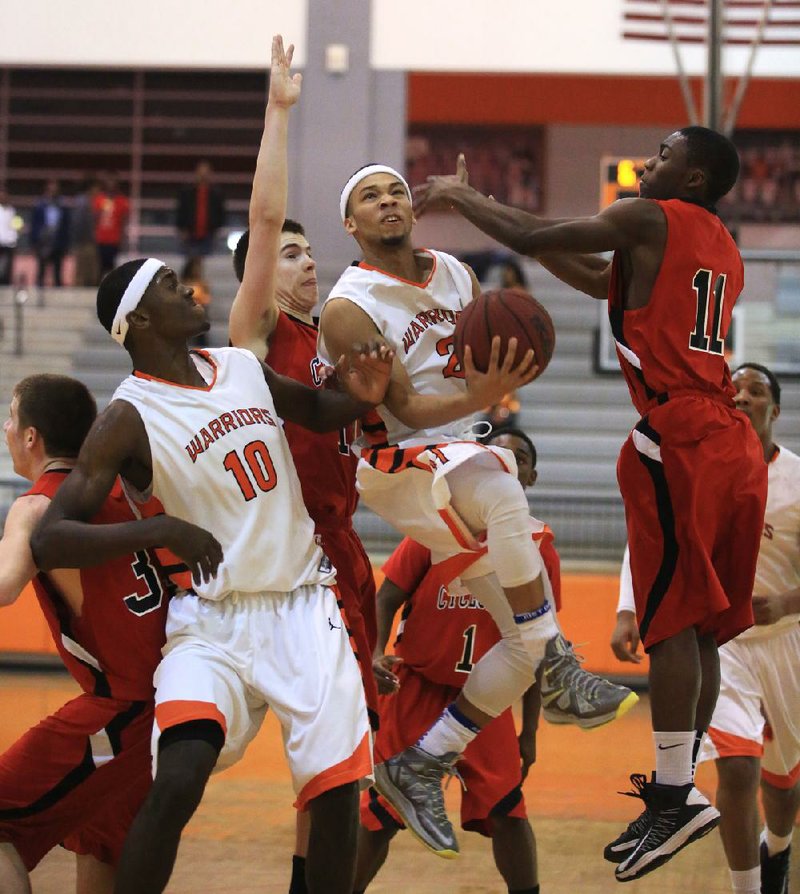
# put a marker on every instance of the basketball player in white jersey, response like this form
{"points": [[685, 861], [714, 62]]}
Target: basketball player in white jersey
{"points": [[200, 436], [423, 471], [754, 734]]}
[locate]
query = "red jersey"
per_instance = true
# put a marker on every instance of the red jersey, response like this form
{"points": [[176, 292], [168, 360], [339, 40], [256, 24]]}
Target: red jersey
{"points": [[676, 343], [441, 635], [113, 648], [325, 464]]}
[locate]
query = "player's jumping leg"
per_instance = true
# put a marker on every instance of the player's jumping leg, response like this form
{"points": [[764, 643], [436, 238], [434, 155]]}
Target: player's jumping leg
{"points": [[373, 849], [486, 498], [187, 755], [684, 684]]}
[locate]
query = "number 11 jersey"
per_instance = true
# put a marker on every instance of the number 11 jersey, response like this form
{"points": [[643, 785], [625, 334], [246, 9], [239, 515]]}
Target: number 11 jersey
{"points": [[221, 461], [676, 343]]}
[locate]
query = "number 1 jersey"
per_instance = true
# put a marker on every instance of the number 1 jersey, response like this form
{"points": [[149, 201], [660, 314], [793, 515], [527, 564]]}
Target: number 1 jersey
{"points": [[221, 461], [676, 343]]}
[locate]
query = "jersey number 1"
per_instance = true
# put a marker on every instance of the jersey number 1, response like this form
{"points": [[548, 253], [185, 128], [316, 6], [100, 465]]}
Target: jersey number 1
{"points": [[701, 339]]}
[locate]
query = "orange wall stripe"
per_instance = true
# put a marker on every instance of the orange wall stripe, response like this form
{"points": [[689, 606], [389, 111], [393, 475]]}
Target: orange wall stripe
{"points": [[574, 99]]}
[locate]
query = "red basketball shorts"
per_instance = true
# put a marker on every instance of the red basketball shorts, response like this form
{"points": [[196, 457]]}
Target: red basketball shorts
{"points": [[694, 482], [490, 766], [356, 585], [78, 778]]}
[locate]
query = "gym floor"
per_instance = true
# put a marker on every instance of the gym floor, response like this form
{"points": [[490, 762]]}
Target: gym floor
{"points": [[242, 836]]}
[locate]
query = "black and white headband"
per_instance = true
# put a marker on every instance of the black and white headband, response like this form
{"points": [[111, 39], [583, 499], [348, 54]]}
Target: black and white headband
{"points": [[132, 296]]}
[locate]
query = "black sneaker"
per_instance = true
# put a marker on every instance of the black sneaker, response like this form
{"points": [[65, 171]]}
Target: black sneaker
{"points": [[774, 871], [622, 846], [680, 815]]}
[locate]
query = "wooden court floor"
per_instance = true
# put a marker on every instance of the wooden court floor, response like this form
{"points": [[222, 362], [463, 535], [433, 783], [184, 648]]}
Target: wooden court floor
{"points": [[241, 838]]}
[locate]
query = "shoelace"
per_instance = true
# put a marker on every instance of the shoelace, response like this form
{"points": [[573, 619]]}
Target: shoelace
{"points": [[568, 667], [663, 826], [642, 822]]}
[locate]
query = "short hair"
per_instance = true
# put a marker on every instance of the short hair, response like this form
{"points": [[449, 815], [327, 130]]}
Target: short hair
{"points": [[60, 408], [774, 384], [716, 155], [240, 252], [514, 433], [112, 288]]}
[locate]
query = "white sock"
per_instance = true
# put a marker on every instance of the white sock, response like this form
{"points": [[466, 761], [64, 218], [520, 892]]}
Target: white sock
{"points": [[674, 757], [775, 843], [746, 882], [699, 736], [451, 733]]}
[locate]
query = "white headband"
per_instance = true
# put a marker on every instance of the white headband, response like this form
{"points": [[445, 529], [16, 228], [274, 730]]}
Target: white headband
{"points": [[132, 296], [360, 175]]}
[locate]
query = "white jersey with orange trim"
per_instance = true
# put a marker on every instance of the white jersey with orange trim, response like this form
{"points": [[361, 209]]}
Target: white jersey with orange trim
{"points": [[221, 461], [417, 320], [778, 568]]}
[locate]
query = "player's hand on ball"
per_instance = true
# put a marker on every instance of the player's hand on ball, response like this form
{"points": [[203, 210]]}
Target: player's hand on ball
{"points": [[500, 378], [284, 87], [198, 548], [387, 680], [625, 638], [438, 191]]}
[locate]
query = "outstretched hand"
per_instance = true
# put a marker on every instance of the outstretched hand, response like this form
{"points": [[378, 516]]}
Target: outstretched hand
{"points": [[284, 87], [437, 193], [491, 387], [365, 371]]}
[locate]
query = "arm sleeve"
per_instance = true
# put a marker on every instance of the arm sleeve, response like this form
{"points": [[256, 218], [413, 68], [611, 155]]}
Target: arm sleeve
{"points": [[626, 601]]}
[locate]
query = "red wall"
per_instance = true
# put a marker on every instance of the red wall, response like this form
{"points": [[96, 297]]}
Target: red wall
{"points": [[576, 99]]}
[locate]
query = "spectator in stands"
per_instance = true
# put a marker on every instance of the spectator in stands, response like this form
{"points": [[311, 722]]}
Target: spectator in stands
{"points": [[84, 248], [111, 212], [200, 213], [8, 237], [50, 233]]}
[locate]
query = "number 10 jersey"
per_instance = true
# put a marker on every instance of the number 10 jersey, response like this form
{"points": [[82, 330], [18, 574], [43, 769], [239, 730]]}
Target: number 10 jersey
{"points": [[221, 461]]}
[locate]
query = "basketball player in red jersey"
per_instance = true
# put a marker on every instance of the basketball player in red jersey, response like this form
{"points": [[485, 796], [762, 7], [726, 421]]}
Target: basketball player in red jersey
{"points": [[692, 472], [79, 776], [272, 316]]}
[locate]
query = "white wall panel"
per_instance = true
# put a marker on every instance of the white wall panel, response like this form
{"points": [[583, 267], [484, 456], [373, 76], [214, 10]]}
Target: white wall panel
{"points": [[149, 33]]}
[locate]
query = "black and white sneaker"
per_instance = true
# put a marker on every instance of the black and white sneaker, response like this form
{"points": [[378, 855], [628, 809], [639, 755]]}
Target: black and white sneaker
{"points": [[680, 815], [622, 846], [774, 871]]}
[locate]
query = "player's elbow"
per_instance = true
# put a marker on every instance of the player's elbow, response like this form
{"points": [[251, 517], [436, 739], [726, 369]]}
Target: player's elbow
{"points": [[43, 548], [9, 591]]}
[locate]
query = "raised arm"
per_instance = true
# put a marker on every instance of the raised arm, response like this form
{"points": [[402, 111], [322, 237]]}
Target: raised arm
{"points": [[625, 224], [65, 536], [254, 312], [17, 567]]}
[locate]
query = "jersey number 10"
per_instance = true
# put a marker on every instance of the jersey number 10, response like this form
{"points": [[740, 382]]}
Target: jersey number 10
{"points": [[701, 338]]}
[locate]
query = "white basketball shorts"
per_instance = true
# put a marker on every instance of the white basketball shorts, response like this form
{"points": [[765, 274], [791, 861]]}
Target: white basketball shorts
{"points": [[758, 711], [230, 660]]}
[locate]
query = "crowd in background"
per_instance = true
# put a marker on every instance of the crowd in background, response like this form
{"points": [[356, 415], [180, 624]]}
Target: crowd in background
{"points": [[91, 225]]}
